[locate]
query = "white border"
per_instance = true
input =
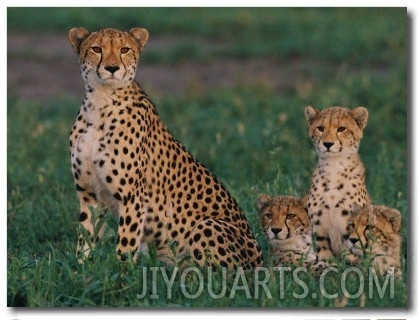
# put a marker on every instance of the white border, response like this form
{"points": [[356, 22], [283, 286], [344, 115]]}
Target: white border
{"points": [[412, 313]]}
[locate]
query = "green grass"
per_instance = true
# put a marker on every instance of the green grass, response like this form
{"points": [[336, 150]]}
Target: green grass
{"points": [[252, 138], [360, 36]]}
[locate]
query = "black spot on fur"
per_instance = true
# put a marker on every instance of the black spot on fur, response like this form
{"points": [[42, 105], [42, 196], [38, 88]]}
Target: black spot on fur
{"points": [[82, 216]]}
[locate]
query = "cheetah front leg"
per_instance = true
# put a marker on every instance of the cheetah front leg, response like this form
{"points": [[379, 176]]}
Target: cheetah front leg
{"points": [[324, 251], [132, 217], [91, 224]]}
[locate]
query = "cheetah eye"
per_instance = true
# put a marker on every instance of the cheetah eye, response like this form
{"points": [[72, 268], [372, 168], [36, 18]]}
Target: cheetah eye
{"points": [[124, 50], [290, 216], [269, 216], [320, 128], [97, 49], [341, 129]]}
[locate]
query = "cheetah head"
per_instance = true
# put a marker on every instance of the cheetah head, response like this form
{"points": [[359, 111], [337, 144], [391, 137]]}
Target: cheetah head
{"points": [[374, 227], [282, 217], [109, 56], [336, 130]]}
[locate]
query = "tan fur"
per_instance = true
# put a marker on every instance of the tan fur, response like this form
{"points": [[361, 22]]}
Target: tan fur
{"points": [[339, 179], [125, 161], [376, 232], [286, 225]]}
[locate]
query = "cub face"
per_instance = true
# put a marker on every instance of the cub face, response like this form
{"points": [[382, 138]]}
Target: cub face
{"points": [[336, 130], [282, 217], [374, 228], [109, 56]]}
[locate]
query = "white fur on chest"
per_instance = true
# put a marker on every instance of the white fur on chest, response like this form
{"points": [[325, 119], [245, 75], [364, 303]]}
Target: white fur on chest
{"points": [[90, 148], [299, 244], [336, 185], [336, 181]]}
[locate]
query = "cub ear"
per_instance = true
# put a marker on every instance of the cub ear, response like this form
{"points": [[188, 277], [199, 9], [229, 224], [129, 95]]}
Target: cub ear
{"points": [[360, 114], [393, 216], [263, 201], [357, 209], [141, 36], [310, 113], [304, 202], [76, 37]]}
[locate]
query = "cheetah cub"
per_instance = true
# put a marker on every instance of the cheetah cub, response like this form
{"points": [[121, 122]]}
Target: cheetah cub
{"points": [[125, 161], [376, 232], [339, 178], [286, 225]]}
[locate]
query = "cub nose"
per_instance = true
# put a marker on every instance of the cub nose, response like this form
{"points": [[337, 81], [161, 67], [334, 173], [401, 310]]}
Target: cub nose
{"points": [[275, 230], [112, 69], [328, 145], [354, 240]]}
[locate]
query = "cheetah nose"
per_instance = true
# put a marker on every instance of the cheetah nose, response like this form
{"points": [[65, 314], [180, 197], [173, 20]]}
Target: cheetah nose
{"points": [[328, 145], [275, 230], [354, 240], [112, 69]]}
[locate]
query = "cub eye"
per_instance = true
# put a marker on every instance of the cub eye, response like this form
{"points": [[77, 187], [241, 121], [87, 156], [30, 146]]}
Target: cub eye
{"points": [[97, 49], [290, 216], [269, 216], [320, 128], [341, 129], [124, 50]]}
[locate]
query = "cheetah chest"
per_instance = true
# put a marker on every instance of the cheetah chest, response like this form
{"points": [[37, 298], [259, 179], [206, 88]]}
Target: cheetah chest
{"points": [[91, 157], [336, 185]]}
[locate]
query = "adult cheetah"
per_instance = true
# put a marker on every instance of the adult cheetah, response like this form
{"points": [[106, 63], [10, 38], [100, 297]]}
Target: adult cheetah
{"points": [[124, 160]]}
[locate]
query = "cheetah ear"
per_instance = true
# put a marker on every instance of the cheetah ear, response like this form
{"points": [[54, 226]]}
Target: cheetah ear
{"points": [[360, 114], [76, 37], [263, 201], [141, 36], [393, 216], [304, 202], [310, 113]]}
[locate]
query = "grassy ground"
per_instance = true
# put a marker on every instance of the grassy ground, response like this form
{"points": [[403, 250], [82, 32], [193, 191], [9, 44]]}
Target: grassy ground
{"points": [[253, 138]]}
